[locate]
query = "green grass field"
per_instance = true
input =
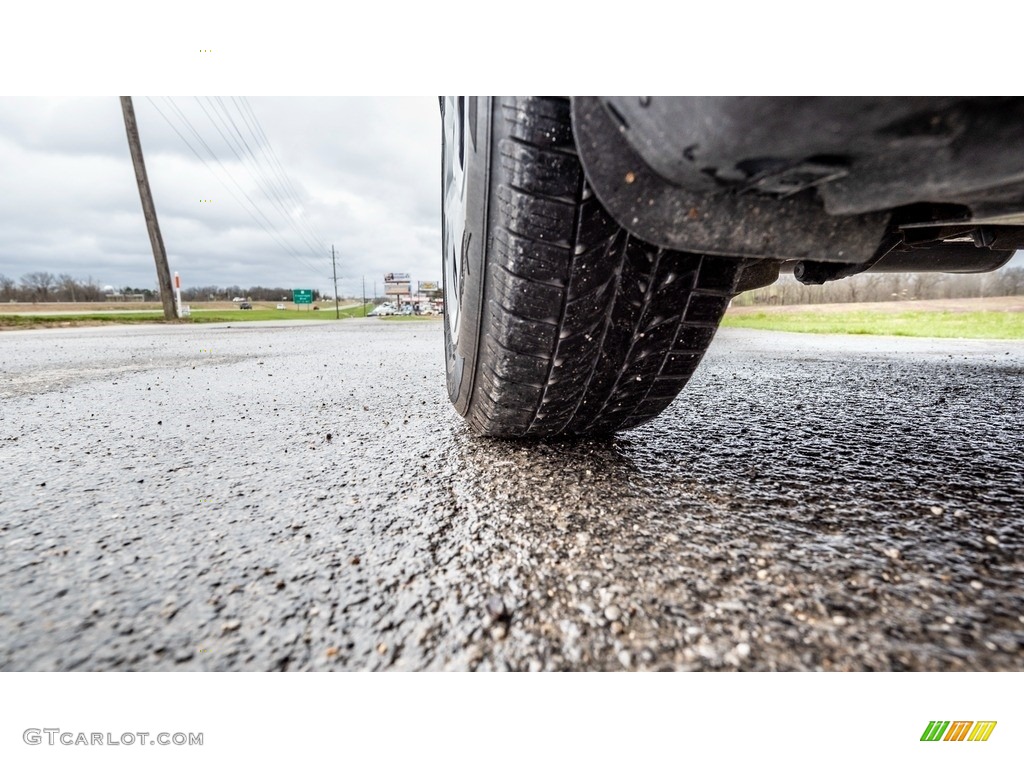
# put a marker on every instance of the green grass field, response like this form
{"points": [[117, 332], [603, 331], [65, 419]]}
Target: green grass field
{"points": [[231, 315], [941, 324], [960, 325], [156, 316]]}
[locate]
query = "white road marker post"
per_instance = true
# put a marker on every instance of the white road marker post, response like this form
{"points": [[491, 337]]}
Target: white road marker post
{"points": [[177, 294]]}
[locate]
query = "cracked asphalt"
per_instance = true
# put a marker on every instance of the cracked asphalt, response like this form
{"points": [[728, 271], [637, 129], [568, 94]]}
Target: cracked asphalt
{"points": [[281, 496]]}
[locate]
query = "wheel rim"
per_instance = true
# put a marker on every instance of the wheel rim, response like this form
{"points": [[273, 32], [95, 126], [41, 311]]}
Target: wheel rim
{"points": [[454, 210]]}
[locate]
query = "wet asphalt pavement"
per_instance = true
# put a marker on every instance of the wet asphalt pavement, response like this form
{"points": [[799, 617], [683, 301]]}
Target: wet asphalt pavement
{"points": [[302, 496]]}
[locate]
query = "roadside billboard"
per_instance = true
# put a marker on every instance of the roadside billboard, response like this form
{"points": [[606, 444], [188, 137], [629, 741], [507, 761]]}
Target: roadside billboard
{"points": [[397, 277], [397, 289]]}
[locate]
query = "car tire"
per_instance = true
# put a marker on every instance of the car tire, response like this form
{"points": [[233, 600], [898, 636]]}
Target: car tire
{"points": [[557, 320]]}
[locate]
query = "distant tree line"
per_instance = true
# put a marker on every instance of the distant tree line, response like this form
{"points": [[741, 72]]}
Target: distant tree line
{"points": [[45, 286], [890, 287]]}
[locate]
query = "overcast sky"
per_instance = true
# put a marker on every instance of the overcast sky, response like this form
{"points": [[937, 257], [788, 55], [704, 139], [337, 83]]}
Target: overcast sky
{"points": [[365, 176]]}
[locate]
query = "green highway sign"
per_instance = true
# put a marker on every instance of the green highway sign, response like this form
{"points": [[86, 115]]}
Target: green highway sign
{"points": [[302, 295]]}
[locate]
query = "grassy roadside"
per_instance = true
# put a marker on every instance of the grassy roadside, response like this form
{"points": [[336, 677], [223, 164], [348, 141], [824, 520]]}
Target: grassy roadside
{"points": [[876, 320], [961, 325], [156, 316]]}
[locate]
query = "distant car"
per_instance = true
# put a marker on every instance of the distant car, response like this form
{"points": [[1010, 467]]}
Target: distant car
{"points": [[406, 311], [237, 299], [280, 306], [245, 305]]}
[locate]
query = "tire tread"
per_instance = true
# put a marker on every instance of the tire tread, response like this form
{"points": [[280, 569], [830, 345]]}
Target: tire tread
{"points": [[585, 329]]}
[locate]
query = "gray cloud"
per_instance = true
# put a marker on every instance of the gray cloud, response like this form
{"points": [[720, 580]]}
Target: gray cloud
{"points": [[365, 173]]}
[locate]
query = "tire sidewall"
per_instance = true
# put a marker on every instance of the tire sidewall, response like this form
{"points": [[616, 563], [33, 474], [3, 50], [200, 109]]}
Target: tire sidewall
{"points": [[461, 352]]}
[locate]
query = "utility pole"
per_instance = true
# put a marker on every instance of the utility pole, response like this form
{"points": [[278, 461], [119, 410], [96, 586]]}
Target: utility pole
{"points": [[163, 272], [337, 313], [364, 295]]}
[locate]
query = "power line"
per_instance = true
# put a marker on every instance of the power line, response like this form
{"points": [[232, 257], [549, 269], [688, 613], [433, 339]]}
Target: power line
{"points": [[254, 206], [257, 176], [252, 209], [274, 186], [267, 149]]}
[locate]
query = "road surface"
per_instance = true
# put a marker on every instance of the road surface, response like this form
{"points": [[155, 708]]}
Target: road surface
{"points": [[274, 496]]}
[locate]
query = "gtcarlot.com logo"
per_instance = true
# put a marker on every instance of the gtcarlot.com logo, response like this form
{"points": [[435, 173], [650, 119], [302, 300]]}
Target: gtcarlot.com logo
{"points": [[958, 730], [54, 736]]}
